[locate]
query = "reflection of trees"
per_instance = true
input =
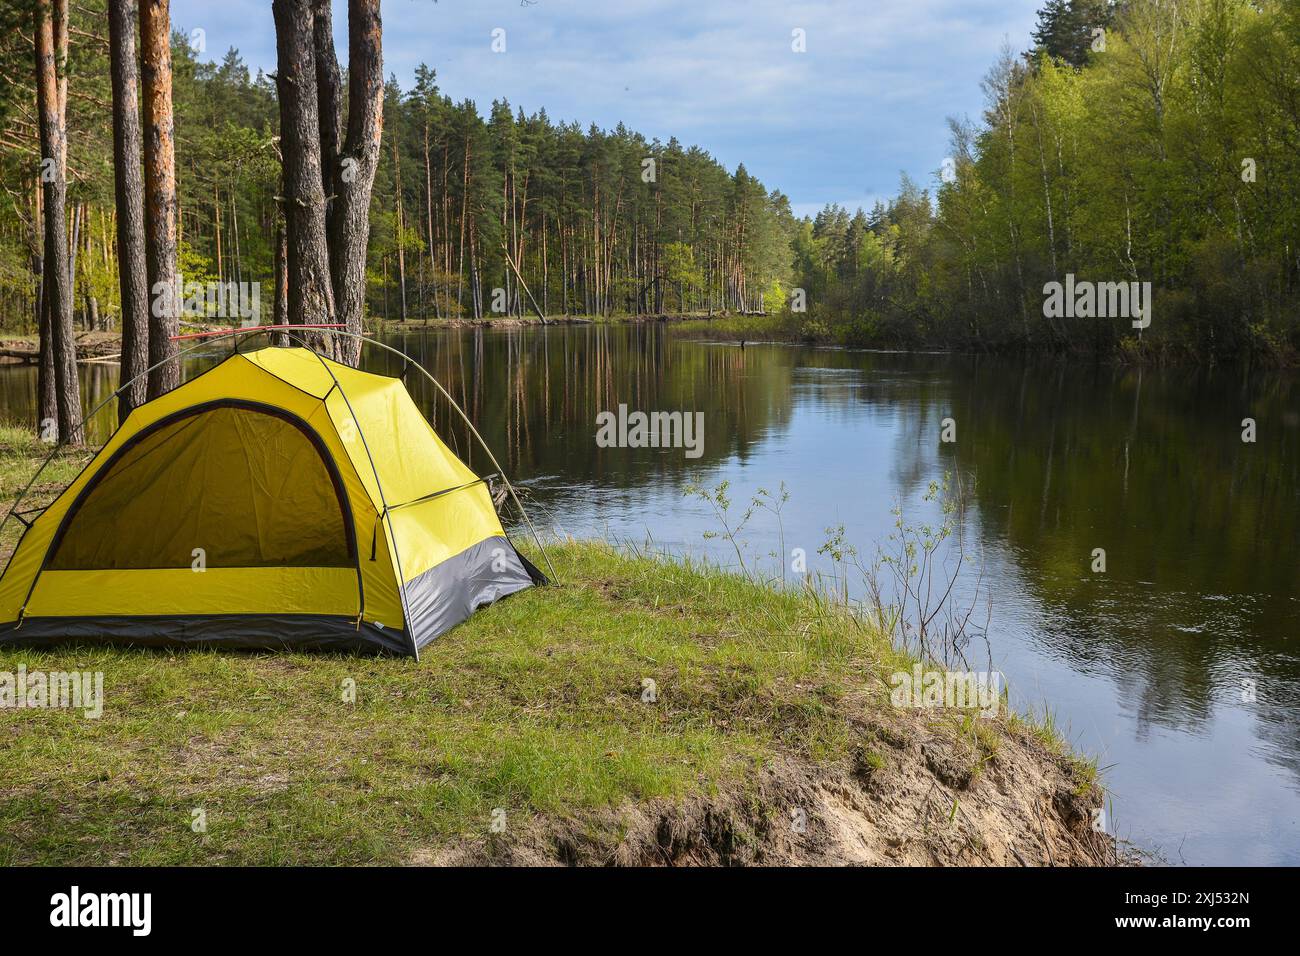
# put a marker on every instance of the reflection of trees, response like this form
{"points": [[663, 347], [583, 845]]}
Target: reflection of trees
{"points": [[535, 395], [1199, 528], [98, 380]]}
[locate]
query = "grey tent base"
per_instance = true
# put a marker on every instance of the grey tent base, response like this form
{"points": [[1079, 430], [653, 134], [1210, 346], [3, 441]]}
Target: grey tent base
{"points": [[448, 593], [436, 601], [279, 632]]}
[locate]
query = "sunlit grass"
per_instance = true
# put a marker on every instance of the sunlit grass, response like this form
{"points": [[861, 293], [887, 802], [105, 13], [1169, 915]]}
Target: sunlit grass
{"points": [[22, 454], [539, 704]]}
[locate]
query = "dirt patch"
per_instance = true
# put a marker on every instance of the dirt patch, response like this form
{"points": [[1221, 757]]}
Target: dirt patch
{"points": [[916, 799]]}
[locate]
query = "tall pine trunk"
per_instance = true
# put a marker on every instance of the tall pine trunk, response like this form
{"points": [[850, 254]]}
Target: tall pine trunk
{"points": [[281, 305], [400, 224], [128, 183], [329, 107], [349, 222], [160, 195], [47, 418], [47, 406], [61, 344], [311, 297]]}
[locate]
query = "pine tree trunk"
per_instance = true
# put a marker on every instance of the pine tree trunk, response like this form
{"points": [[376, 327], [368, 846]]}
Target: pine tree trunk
{"points": [[61, 344], [428, 215], [349, 224], [216, 232], [160, 195], [329, 108], [74, 245], [311, 297], [237, 269], [281, 306], [47, 417], [400, 225], [464, 199]]}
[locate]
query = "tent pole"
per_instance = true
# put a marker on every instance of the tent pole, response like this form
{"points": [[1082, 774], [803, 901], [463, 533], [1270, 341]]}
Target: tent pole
{"points": [[95, 411], [235, 334], [491, 457], [379, 485]]}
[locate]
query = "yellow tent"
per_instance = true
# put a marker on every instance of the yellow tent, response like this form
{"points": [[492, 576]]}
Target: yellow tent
{"points": [[278, 499]]}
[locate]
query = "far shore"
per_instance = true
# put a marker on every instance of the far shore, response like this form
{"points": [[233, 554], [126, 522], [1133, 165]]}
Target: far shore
{"points": [[734, 327], [103, 345]]}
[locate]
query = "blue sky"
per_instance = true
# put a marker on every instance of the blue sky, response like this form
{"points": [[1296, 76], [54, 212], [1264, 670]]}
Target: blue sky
{"points": [[838, 123]]}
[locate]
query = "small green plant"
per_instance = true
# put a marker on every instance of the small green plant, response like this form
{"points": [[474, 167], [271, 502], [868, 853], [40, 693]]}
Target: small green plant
{"points": [[911, 585], [719, 499], [764, 500], [814, 330], [843, 555]]}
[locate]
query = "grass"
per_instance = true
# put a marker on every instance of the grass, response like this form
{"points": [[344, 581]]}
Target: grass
{"points": [[539, 704], [536, 705], [21, 454], [637, 679]]}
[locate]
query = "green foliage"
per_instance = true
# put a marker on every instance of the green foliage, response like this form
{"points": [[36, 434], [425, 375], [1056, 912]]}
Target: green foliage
{"points": [[1165, 155], [681, 271], [1166, 158], [455, 193], [1066, 28], [600, 222]]}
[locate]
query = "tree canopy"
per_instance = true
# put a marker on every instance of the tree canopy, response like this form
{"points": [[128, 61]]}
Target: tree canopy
{"points": [[1161, 149]]}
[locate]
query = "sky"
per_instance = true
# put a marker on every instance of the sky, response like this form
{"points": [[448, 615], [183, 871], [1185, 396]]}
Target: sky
{"points": [[867, 100]]}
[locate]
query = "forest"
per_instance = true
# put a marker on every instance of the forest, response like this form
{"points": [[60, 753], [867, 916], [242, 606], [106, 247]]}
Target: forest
{"points": [[599, 222], [1145, 141]]}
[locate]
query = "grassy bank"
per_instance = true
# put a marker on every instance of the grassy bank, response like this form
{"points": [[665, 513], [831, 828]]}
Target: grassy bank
{"points": [[752, 328], [21, 454], [645, 711]]}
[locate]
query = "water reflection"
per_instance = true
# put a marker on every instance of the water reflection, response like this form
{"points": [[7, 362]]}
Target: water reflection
{"points": [[1151, 664]]}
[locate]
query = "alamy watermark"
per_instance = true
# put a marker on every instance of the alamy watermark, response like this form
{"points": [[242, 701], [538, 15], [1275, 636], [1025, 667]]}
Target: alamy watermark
{"points": [[133, 911], [651, 430], [208, 300], [960, 690], [1082, 299], [56, 690]]}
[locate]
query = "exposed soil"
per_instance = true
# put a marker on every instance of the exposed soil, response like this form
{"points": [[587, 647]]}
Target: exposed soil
{"points": [[909, 797]]}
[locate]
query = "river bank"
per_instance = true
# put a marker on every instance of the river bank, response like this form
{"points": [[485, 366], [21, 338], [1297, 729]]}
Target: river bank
{"points": [[99, 345], [742, 328], [644, 712], [91, 346]]}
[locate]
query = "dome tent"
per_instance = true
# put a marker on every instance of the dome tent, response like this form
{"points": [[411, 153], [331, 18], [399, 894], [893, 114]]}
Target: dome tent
{"points": [[277, 500]]}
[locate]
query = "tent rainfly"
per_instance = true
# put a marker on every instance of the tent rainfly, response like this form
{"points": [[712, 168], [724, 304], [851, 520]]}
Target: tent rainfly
{"points": [[277, 500]]}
